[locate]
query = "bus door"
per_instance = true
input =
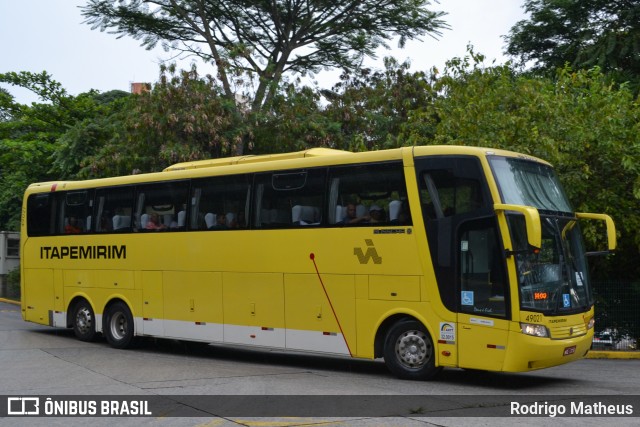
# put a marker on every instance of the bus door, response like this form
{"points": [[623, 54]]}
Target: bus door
{"points": [[467, 256], [483, 295]]}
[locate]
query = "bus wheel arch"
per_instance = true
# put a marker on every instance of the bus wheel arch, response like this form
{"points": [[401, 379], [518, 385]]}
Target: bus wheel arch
{"points": [[408, 348], [118, 325], [81, 317], [383, 329]]}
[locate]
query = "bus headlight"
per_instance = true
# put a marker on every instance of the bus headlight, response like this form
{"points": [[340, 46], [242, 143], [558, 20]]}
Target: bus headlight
{"points": [[591, 323], [535, 330]]}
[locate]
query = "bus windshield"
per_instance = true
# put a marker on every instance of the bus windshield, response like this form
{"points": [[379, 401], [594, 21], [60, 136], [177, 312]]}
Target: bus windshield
{"points": [[553, 280], [529, 183]]}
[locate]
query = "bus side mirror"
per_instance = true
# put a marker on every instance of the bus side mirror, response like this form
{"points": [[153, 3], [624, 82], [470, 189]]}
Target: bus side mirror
{"points": [[532, 221], [611, 228]]}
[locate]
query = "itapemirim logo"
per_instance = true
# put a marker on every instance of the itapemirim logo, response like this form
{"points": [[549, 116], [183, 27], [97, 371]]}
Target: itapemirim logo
{"points": [[370, 254]]}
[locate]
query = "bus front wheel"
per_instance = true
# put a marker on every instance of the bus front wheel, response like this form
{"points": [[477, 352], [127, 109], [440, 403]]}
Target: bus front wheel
{"points": [[84, 321], [118, 325], [409, 352]]}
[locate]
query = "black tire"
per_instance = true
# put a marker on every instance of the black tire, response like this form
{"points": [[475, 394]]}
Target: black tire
{"points": [[84, 321], [118, 326], [409, 352]]}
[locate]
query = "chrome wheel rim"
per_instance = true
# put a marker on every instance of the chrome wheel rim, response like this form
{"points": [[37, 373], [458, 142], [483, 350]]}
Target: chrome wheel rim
{"points": [[84, 320], [413, 349], [118, 326]]}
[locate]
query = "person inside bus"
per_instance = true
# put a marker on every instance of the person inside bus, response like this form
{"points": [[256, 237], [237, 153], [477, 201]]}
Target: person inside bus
{"points": [[221, 223], [154, 223], [352, 216], [241, 221], [232, 222], [72, 226], [376, 214]]}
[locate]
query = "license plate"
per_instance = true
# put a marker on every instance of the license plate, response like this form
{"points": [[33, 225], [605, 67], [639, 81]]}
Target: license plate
{"points": [[569, 350]]}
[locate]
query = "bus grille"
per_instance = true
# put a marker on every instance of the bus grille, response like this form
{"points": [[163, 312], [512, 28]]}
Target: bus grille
{"points": [[565, 331]]}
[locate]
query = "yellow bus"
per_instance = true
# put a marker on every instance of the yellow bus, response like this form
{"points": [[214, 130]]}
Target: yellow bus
{"points": [[428, 257]]}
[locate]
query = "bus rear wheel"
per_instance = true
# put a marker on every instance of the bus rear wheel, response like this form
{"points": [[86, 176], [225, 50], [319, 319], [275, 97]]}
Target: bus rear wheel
{"points": [[118, 326], [84, 321], [409, 352]]}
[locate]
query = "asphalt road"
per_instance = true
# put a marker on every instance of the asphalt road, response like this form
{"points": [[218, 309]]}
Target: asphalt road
{"points": [[304, 389]]}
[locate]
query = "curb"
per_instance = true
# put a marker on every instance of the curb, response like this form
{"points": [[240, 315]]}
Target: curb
{"points": [[613, 355]]}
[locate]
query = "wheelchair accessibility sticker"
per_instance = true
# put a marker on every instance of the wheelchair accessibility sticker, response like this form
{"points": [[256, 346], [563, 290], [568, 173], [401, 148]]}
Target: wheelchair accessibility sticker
{"points": [[467, 297], [566, 301]]}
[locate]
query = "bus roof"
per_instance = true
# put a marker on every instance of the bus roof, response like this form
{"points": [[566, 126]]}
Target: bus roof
{"points": [[252, 163], [312, 152], [323, 152]]}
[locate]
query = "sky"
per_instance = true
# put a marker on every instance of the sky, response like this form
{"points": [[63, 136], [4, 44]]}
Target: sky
{"points": [[48, 35]]}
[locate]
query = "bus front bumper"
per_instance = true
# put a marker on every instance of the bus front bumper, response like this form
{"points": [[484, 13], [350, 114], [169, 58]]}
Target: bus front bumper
{"points": [[529, 353]]}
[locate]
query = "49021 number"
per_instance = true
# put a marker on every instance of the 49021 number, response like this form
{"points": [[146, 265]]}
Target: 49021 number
{"points": [[534, 318]]}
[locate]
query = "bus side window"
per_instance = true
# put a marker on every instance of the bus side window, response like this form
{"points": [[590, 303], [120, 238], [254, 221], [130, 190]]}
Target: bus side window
{"points": [[287, 199], [114, 206], [368, 187], [445, 194], [41, 209], [220, 203], [158, 205], [77, 212]]}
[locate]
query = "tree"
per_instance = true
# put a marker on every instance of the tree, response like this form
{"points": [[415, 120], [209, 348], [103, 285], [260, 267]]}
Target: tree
{"points": [[30, 138], [49, 119], [183, 118], [7, 105], [85, 138], [372, 107], [295, 121], [21, 163], [582, 33], [256, 42]]}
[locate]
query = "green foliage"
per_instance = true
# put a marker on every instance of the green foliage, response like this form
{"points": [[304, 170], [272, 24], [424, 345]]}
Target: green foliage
{"points": [[59, 110], [86, 137], [373, 107], [584, 34], [7, 105], [27, 135], [39, 83], [183, 118], [21, 163], [35, 140], [295, 121]]}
